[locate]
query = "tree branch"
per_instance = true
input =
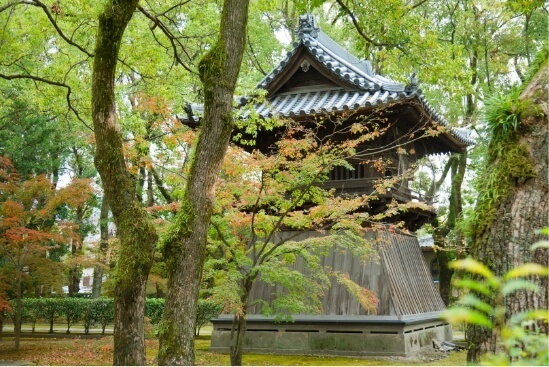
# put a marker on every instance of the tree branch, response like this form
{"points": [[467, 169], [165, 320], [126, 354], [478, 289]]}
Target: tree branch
{"points": [[223, 239], [418, 4], [44, 7], [50, 82], [160, 185], [169, 35], [14, 3], [253, 56], [361, 31]]}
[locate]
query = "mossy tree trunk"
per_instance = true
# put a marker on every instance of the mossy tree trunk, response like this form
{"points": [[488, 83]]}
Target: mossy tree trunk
{"points": [[457, 165], [184, 246], [506, 227], [134, 228]]}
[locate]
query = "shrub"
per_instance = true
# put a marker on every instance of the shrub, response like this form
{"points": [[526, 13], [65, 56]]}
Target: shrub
{"points": [[103, 311], [207, 310], [51, 309], [73, 310], [154, 307], [33, 310]]}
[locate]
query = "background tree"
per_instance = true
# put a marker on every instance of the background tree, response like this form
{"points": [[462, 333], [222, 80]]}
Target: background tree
{"points": [[26, 208], [59, 63]]}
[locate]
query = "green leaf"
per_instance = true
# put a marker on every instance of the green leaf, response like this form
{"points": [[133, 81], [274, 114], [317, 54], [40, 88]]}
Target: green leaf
{"points": [[518, 284], [521, 317], [527, 270], [544, 230], [463, 314], [473, 285], [473, 301], [539, 244], [474, 267]]}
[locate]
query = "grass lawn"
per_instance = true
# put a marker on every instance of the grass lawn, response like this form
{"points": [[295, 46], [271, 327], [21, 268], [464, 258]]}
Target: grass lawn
{"points": [[79, 352]]}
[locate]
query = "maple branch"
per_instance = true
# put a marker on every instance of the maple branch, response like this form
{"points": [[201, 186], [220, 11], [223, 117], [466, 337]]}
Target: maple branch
{"points": [[252, 224], [297, 234], [50, 82], [223, 239], [304, 192]]}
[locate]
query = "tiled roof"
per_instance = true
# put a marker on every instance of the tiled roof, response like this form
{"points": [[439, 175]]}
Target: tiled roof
{"points": [[368, 89], [335, 58], [371, 89], [328, 100]]}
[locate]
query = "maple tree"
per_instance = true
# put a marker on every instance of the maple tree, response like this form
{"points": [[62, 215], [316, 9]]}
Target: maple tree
{"points": [[266, 202], [29, 226]]}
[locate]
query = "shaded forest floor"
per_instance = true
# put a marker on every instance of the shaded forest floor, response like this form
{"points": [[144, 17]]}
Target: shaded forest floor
{"points": [[82, 352]]}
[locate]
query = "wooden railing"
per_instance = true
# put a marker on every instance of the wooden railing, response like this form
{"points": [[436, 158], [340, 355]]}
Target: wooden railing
{"points": [[365, 186]]}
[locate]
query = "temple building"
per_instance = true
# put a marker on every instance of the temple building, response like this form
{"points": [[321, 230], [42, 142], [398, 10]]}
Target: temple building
{"points": [[319, 77]]}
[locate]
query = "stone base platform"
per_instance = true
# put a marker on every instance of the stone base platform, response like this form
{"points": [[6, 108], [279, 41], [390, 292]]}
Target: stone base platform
{"points": [[336, 335]]}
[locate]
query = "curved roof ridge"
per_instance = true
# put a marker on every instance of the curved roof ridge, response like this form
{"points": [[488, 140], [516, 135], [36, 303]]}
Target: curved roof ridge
{"points": [[335, 58]]}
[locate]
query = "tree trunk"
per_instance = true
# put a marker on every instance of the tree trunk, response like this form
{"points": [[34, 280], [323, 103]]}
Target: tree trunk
{"points": [[18, 311], [238, 332], [457, 165], [506, 229], [184, 247], [103, 248], [135, 230], [74, 273]]}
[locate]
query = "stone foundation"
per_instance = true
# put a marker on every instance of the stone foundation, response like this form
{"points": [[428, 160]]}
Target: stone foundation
{"points": [[336, 335]]}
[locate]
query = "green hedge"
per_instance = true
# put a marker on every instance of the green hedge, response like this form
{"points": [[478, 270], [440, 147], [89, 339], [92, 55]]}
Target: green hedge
{"points": [[98, 311]]}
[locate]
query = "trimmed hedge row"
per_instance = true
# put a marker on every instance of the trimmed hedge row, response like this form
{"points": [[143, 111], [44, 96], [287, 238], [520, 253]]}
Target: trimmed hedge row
{"points": [[98, 311]]}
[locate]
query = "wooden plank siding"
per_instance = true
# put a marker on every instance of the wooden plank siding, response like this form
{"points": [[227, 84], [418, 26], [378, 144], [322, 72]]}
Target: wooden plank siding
{"points": [[409, 279], [399, 277]]}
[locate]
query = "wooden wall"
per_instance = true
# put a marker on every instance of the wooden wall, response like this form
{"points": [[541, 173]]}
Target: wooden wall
{"points": [[399, 276]]}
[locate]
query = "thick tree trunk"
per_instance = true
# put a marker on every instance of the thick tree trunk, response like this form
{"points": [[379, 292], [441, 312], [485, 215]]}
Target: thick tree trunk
{"points": [[184, 248], [503, 241], [135, 230]]}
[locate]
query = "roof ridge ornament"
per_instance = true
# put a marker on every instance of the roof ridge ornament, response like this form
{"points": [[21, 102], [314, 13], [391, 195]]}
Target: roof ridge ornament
{"points": [[307, 25], [413, 84]]}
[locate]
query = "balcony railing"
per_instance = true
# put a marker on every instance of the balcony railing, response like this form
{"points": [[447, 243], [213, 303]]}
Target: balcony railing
{"points": [[366, 186]]}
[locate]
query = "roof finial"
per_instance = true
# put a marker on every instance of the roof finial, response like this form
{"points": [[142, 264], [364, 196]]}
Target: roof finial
{"points": [[307, 25], [413, 84]]}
